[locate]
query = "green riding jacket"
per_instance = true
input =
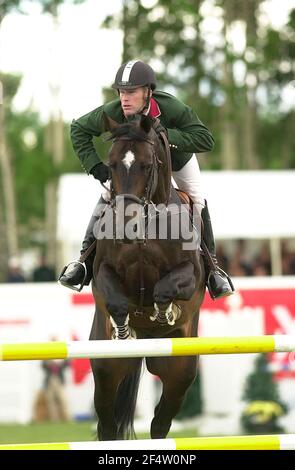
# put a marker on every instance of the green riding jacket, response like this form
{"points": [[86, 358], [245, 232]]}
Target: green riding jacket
{"points": [[186, 133]]}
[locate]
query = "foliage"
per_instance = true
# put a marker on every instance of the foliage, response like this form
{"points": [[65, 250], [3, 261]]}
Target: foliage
{"points": [[7, 6], [206, 73], [29, 162], [247, 106], [32, 166], [49, 4], [265, 406]]}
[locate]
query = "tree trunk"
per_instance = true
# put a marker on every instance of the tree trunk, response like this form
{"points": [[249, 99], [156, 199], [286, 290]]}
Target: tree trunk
{"points": [[229, 148], [249, 134], [286, 153], [7, 186], [55, 146], [54, 143], [51, 221], [3, 246], [250, 113]]}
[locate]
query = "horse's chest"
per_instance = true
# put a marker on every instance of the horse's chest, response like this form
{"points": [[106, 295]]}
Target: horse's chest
{"points": [[134, 261]]}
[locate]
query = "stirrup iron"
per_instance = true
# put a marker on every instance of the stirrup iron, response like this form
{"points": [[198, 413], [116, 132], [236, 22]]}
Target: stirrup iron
{"points": [[75, 288]]}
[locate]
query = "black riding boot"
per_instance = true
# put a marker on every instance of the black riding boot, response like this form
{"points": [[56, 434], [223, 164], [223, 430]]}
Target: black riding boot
{"points": [[77, 273], [218, 282]]}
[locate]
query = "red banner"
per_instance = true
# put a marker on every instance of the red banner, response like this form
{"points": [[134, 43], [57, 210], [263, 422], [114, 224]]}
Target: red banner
{"points": [[277, 306]]}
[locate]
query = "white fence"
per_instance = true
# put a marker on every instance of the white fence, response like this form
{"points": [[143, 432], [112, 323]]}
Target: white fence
{"points": [[39, 312]]}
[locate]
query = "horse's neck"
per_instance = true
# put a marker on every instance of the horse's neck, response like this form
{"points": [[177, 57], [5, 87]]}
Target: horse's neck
{"points": [[161, 195]]}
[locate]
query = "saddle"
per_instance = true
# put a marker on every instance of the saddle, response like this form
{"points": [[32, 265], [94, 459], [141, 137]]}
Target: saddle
{"points": [[186, 199]]}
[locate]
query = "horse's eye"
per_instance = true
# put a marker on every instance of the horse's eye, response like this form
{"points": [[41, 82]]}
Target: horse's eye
{"points": [[146, 166], [113, 165]]}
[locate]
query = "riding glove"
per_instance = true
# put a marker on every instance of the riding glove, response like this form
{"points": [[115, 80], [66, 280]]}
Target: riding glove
{"points": [[100, 172]]}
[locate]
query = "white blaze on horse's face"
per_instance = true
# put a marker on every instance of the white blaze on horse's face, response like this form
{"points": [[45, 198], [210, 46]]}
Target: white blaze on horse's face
{"points": [[128, 160]]}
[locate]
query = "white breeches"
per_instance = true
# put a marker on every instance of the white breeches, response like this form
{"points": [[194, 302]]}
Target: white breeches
{"points": [[188, 179]]}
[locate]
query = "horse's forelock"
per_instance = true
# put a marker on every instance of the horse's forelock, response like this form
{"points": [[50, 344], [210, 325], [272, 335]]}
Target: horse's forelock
{"points": [[129, 130]]}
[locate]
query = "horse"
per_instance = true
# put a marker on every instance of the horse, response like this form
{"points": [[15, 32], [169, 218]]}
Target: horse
{"points": [[146, 288]]}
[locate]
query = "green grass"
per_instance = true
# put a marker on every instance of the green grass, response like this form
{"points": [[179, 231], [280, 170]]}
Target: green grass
{"points": [[46, 432], [60, 432]]}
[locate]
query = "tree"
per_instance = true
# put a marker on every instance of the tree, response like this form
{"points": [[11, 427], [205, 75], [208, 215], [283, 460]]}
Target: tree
{"points": [[55, 145], [207, 73], [265, 405], [7, 192], [33, 168], [8, 87]]}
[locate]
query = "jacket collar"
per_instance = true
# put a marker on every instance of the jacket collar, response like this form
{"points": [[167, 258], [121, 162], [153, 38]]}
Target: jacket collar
{"points": [[154, 110]]}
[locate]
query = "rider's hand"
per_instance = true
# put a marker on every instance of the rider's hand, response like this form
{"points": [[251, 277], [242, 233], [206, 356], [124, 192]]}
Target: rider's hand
{"points": [[100, 172], [158, 127]]}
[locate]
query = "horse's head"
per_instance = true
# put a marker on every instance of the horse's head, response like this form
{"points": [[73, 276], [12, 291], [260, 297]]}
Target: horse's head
{"points": [[136, 159]]}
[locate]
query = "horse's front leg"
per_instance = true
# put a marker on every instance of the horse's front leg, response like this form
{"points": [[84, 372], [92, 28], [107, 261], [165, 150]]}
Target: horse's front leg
{"points": [[116, 302], [178, 284]]}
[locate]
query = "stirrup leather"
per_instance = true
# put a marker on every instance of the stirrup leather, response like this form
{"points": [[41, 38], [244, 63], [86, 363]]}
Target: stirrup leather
{"points": [[75, 288]]}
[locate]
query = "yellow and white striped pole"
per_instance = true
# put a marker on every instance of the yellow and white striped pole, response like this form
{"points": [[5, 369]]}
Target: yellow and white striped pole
{"points": [[270, 442], [147, 347]]}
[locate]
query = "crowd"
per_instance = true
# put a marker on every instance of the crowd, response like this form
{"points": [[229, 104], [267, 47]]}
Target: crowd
{"points": [[247, 258], [43, 272], [238, 257]]}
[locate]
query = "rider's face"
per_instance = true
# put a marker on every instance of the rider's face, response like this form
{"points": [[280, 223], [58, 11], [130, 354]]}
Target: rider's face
{"points": [[133, 101]]}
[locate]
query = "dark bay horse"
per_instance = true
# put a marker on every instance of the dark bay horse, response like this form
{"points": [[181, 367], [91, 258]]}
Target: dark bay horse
{"points": [[150, 288]]}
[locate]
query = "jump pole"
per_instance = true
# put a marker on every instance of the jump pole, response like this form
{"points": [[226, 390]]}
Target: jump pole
{"points": [[146, 347], [268, 442]]}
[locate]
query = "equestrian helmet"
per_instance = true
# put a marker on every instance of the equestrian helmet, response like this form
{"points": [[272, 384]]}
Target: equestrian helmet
{"points": [[134, 74]]}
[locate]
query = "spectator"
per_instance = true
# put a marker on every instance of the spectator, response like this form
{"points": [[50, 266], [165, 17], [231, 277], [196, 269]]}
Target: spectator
{"points": [[54, 389], [238, 265], [261, 263], [260, 270], [14, 273], [54, 384], [288, 259], [43, 272], [223, 258]]}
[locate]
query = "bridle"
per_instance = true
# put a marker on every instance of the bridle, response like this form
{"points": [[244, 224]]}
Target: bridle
{"points": [[152, 181]]}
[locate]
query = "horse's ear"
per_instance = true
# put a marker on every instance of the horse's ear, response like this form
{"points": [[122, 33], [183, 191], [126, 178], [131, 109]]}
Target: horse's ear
{"points": [[145, 123], [109, 123]]}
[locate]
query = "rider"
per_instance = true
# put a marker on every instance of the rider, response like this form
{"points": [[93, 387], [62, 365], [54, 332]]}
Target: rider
{"points": [[136, 82]]}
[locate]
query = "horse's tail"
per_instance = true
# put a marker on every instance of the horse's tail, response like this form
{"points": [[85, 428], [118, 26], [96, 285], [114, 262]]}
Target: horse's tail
{"points": [[126, 403]]}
